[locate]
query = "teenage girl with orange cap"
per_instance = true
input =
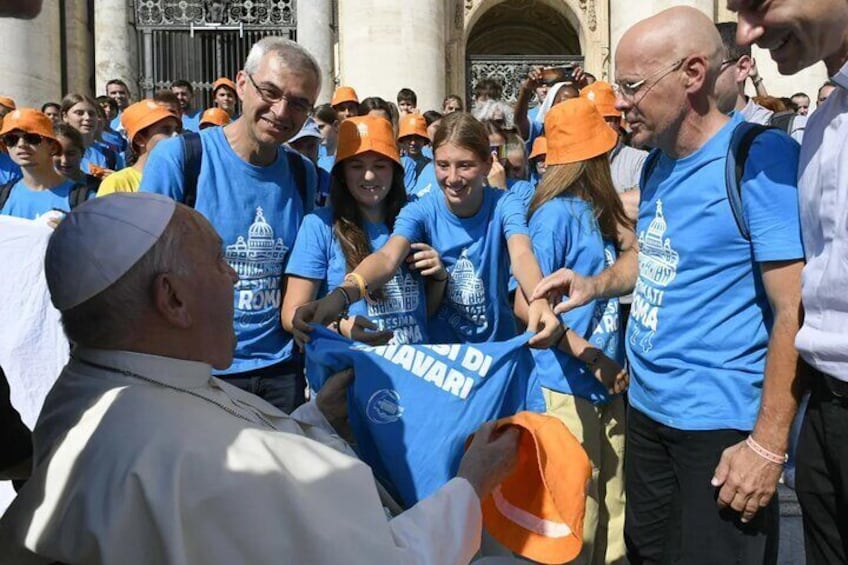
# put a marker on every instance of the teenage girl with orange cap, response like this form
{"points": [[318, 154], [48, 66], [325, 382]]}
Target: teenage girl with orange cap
{"points": [[574, 221], [366, 195], [146, 123], [479, 231]]}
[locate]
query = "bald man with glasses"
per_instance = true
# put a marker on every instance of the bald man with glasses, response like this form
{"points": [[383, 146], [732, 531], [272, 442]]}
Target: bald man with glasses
{"points": [[714, 315]]}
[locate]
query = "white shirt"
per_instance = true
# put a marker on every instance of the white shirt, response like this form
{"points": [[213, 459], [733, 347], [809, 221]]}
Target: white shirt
{"points": [[626, 166], [823, 193], [754, 113], [181, 468]]}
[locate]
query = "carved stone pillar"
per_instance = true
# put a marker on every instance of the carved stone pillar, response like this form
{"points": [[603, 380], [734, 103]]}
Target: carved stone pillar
{"points": [[78, 48], [115, 45], [314, 31], [31, 62]]}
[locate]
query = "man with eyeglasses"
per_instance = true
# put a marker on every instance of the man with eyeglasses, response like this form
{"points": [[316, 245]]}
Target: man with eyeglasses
{"points": [[800, 33], [714, 315], [736, 68], [249, 187], [28, 135]]}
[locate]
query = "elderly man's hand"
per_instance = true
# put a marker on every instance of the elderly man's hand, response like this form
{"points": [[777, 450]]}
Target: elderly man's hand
{"points": [[332, 402], [747, 480], [491, 458], [321, 312]]}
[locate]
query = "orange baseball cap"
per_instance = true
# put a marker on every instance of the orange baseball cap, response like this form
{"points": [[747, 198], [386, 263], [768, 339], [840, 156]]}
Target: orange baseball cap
{"points": [[361, 134], [7, 102], [540, 147], [28, 120], [344, 94], [602, 95], [142, 114], [413, 124], [223, 81], [575, 131], [214, 116], [538, 510]]}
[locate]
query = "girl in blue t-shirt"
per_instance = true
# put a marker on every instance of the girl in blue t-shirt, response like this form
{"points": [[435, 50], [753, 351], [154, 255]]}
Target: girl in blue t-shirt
{"points": [[574, 220], [80, 112], [479, 231], [367, 194]]}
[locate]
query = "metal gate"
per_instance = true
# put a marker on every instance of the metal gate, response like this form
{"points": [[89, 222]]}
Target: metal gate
{"points": [[509, 70], [201, 40]]}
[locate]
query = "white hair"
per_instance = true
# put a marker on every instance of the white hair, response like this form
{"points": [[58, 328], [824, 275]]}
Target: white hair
{"points": [[296, 56], [486, 111]]}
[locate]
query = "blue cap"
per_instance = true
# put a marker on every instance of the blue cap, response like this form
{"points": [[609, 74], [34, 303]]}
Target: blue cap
{"points": [[309, 129]]}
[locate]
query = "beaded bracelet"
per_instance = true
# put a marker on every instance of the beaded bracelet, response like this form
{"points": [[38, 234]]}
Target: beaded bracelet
{"points": [[769, 456]]}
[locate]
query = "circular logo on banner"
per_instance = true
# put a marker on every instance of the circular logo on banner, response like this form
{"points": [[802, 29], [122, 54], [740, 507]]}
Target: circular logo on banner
{"points": [[384, 407]]}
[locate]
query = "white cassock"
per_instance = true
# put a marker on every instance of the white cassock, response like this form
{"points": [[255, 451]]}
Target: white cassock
{"points": [[166, 464]]}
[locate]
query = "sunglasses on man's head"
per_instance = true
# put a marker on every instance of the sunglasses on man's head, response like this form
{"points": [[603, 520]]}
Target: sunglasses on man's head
{"points": [[11, 139]]}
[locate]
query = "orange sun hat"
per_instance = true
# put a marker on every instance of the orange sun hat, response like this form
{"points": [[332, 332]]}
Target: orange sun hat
{"points": [[575, 131], [28, 120], [215, 117], [413, 124], [602, 95], [142, 114], [538, 510], [223, 81], [540, 147], [344, 94], [361, 134], [7, 102]]}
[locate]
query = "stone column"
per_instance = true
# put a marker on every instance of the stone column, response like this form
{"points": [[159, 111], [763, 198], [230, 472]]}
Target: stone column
{"points": [[385, 45], [115, 46], [78, 48], [315, 32], [31, 63]]}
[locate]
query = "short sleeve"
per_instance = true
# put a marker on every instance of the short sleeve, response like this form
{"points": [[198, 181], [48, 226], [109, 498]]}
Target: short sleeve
{"points": [[548, 243], [770, 197], [513, 215], [163, 172], [309, 257], [410, 223]]}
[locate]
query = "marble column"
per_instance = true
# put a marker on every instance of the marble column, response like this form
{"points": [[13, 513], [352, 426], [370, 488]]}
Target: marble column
{"points": [[31, 62], [115, 45], [79, 48], [386, 45], [315, 32]]}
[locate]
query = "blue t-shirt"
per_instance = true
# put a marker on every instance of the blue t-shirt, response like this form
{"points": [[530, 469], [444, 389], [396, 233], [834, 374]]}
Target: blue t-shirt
{"points": [[9, 170], [317, 255], [410, 177], [411, 407], [700, 320], [536, 128], [97, 154], [327, 162], [322, 198], [425, 184], [566, 234], [256, 211], [29, 204], [191, 122], [476, 305], [114, 140]]}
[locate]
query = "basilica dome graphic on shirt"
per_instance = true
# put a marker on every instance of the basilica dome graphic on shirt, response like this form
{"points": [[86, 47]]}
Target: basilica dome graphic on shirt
{"points": [[260, 255], [657, 259], [465, 288], [400, 295]]}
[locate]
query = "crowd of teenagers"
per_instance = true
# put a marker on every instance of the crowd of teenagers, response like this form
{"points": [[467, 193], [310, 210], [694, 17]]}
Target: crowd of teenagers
{"points": [[647, 237]]}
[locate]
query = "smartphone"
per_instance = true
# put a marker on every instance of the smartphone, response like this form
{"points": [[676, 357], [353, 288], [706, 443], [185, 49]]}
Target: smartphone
{"points": [[553, 75], [499, 150]]}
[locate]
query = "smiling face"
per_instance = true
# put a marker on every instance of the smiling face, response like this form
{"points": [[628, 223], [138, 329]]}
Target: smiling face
{"points": [[225, 99], [269, 122], [82, 116], [461, 174], [797, 33], [184, 95], [368, 177], [119, 94], [68, 162]]}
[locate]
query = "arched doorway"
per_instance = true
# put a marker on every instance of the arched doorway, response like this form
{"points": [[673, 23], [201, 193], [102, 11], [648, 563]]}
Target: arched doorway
{"points": [[511, 36]]}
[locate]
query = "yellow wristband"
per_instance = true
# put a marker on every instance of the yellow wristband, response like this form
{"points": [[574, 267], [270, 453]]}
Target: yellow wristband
{"points": [[359, 281]]}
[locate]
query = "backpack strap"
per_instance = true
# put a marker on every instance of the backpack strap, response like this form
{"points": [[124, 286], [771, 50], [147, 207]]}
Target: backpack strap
{"points": [[648, 167], [419, 166], [297, 165], [783, 121], [6, 192], [192, 156], [80, 192], [737, 153], [111, 157]]}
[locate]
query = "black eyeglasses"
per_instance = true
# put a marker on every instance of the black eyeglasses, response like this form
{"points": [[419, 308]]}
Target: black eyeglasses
{"points": [[273, 97], [11, 139]]}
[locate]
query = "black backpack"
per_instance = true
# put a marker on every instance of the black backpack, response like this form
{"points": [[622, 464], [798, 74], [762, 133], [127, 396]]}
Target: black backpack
{"points": [[193, 153], [80, 192], [737, 153]]}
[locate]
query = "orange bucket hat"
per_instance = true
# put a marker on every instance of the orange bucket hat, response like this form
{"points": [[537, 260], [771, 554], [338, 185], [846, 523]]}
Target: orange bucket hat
{"points": [[223, 81], [7, 102], [413, 124], [575, 131], [142, 114], [214, 116], [540, 147], [29, 120], [344, 94], [602, 95], [538, 510], [361, 134]]}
